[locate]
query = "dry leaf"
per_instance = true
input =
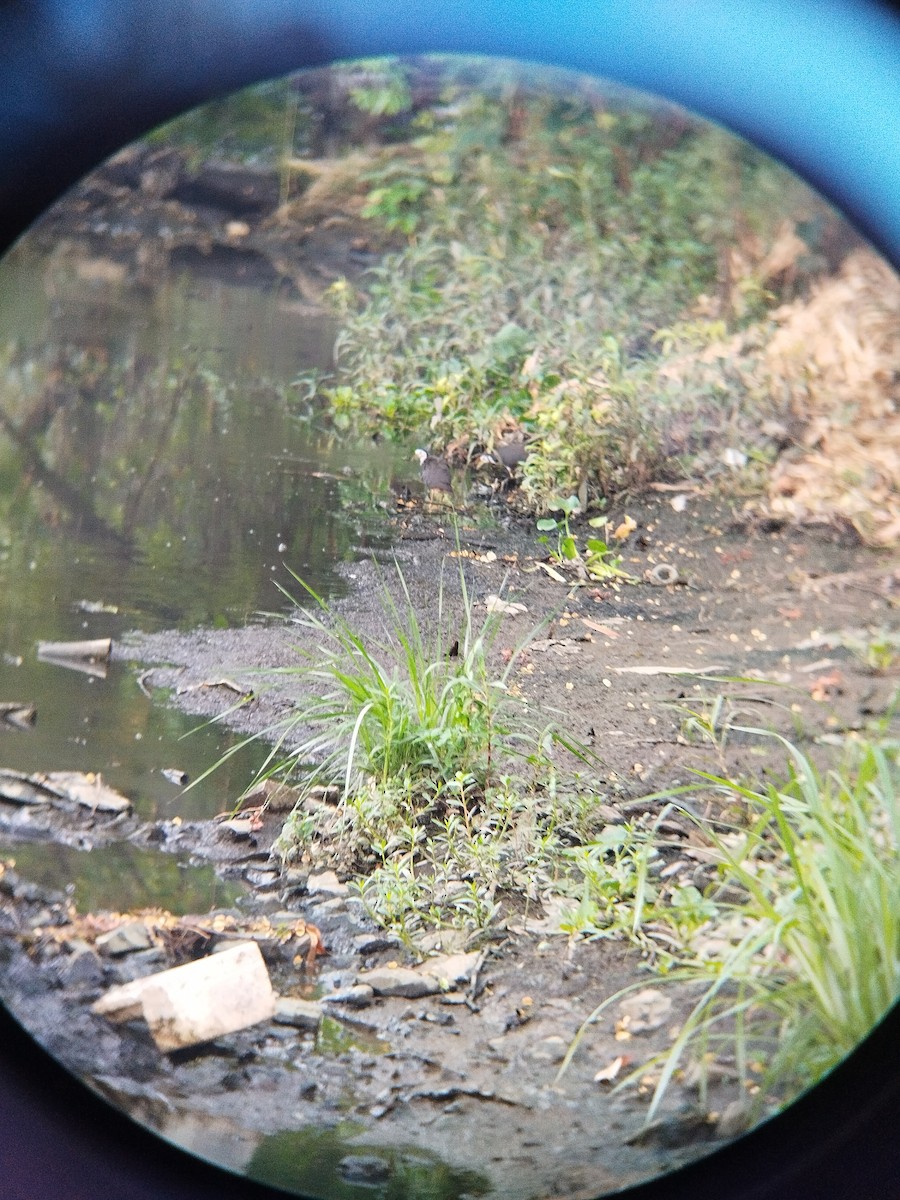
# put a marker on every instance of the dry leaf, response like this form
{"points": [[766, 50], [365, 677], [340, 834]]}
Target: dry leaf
{"points": [[507, 607], [825, 686], [608, 1073], [598, 628], [627, 526]]}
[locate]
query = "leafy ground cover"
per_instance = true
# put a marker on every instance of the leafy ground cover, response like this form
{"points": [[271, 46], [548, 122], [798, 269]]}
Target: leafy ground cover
{"points": [[476, 797], [627, 287]]}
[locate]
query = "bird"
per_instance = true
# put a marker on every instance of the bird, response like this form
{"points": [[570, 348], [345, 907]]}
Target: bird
{"points": [[511, 453], [503, 460], [435, 472]]}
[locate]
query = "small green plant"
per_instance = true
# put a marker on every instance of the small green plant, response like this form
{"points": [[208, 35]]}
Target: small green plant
{"points": [[617, 892], [602, 562], [406, 708], [395, 201], [706, 719], [566, 549], [877, 649], [597, 560], [379, 87], [810, 962]]}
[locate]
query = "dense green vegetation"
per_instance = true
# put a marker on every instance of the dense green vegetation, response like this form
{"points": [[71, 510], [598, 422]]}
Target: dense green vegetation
{"points": [[558, 244], [561, 248]]}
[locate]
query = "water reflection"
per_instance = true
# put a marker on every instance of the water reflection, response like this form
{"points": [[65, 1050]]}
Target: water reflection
{"points": [[153, 464], [121, 877], [326, 1163], [153, 452]]}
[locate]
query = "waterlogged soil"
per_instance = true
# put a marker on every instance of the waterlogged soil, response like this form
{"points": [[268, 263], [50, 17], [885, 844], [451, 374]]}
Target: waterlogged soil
{"points": [[730, 623]]}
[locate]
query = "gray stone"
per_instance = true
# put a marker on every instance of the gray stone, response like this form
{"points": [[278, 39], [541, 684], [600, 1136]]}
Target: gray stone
{"points": [[326, 884], [303, 1014], [735, 1119], [452, 969], [134, 966], [127, 939], [329, 793], [399, 981], [364, 1169], [81, 969], [550, 1049], [372, 943], [359, 995]]}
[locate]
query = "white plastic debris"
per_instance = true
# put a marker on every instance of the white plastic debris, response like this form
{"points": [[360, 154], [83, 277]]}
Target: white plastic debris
{"points": [[198, 1002]]}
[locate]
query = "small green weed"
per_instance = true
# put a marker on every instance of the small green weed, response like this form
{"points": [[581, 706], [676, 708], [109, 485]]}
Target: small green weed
{"points": [[803, 969], [420, 706], [877, 649], [566, 549], [450, 795], [597, 560]]}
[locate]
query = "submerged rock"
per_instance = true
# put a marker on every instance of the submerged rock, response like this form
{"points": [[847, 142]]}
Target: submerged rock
{"points": [[364, 1169]]}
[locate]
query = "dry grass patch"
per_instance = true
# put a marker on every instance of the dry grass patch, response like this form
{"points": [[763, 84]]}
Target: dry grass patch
{"points": [[834, 359]]}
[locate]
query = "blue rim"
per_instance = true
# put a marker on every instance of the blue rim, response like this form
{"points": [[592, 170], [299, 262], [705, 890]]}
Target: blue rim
{"points": [[816, 84]]}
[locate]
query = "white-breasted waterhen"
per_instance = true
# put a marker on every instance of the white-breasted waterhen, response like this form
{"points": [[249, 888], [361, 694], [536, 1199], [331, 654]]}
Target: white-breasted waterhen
{"points": [[435, 472]]}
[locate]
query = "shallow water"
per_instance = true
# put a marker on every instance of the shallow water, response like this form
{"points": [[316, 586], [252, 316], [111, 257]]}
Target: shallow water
{"points": [[330, 1163], [120, 877], [154, 473]]}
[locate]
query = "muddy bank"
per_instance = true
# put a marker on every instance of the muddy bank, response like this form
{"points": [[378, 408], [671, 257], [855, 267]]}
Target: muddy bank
{"points": [[148, 210], [466, 1075], [772, 617], [759, 623]]}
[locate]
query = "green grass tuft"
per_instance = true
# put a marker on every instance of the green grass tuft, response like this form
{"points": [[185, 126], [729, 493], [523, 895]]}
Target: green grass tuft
{"points": [[797, 974]]}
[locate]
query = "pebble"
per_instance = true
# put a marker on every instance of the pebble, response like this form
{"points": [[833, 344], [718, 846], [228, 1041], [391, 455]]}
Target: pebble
{"points": [[127, 939], [326, 884], [82, 970], [262, 878], [372, 943], [330, 793], [550, 1049], [735, 1119], [359, 995], [688, 1124], [303, 1014], [364, 1169], [399, 981], [452, 969]]}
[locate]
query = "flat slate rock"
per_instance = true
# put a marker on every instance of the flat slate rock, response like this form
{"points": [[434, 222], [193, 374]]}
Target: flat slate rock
{"points": [[304, 1014], [399, 981], [359, 995], [326, 884], [126, 939]]}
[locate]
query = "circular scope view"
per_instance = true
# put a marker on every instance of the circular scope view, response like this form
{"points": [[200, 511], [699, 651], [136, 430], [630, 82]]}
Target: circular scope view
{"points": [[449, 625]]}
